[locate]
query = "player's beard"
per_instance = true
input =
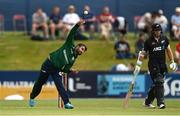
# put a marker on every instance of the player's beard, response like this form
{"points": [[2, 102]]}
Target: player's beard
{"points": [[78, 52]]}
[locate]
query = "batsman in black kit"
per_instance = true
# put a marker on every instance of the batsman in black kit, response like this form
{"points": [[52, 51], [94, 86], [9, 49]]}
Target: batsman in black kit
{"points": [[156, 46]]}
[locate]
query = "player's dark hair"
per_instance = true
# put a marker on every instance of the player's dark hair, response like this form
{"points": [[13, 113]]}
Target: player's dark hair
{"points": [[81, 44]]}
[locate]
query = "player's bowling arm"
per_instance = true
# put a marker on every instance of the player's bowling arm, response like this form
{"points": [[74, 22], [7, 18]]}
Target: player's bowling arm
{"points": [[73, 30]]}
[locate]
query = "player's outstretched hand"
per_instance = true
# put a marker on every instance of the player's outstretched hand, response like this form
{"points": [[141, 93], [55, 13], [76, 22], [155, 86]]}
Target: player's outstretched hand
{"points": [[173, 66], [81, 22]]}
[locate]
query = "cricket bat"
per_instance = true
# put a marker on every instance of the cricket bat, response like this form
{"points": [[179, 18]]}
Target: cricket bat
{"points": [[129, 93]]}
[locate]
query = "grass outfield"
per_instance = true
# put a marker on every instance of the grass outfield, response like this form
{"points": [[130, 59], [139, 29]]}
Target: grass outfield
{"points": [[87, 107]]}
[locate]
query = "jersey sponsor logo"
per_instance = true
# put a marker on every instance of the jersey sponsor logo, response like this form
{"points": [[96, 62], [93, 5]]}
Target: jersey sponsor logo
{"points": [[157, 49]]}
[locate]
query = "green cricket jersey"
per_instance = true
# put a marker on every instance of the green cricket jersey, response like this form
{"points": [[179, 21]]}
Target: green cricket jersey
{"points": [[64, 57]]}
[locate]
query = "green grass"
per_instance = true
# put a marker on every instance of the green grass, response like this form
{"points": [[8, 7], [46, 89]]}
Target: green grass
{"points": [[18, 52], [85, 107]]}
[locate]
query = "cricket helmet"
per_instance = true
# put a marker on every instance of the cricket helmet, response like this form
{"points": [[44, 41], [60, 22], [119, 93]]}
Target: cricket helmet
{"points": [[156, 27]]}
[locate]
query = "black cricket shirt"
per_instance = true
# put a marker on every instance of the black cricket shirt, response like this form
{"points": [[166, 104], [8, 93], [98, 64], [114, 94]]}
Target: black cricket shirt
{"points": [[156, 49]]}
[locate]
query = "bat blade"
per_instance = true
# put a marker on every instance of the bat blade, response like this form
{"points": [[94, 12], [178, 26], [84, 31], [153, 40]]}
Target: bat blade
{"points": [[128, 95]]}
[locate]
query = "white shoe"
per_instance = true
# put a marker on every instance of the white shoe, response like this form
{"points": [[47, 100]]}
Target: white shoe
{"points": [[68, 106], [149, 105], [162, 106]]}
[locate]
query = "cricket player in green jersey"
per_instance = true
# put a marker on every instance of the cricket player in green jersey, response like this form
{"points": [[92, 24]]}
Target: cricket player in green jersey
{"points": [[59, 61]]}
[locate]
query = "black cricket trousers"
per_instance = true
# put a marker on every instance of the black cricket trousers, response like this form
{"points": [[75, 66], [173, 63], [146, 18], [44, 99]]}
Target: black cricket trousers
{"points": [[47, 69], [157, 73]]}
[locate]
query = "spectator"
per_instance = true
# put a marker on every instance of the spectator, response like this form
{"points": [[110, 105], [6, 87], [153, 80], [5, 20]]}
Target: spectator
{"points": [[55, 21], [145, 22], [40, 22], [162, 20], [70, 19], [123, 67], [139, 43], [106, 19], [131, 67], [177, 51], [122, 49], [90, 19], [175, 21], [119, 67], [120, 25]]}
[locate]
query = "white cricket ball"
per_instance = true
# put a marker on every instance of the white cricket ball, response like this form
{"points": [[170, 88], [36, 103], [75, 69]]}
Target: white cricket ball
{"points": [[85, 12], [171, 66]]}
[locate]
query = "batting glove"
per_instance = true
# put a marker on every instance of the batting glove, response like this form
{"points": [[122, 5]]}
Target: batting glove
{"points": [[173, 66], [138, 63]]}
